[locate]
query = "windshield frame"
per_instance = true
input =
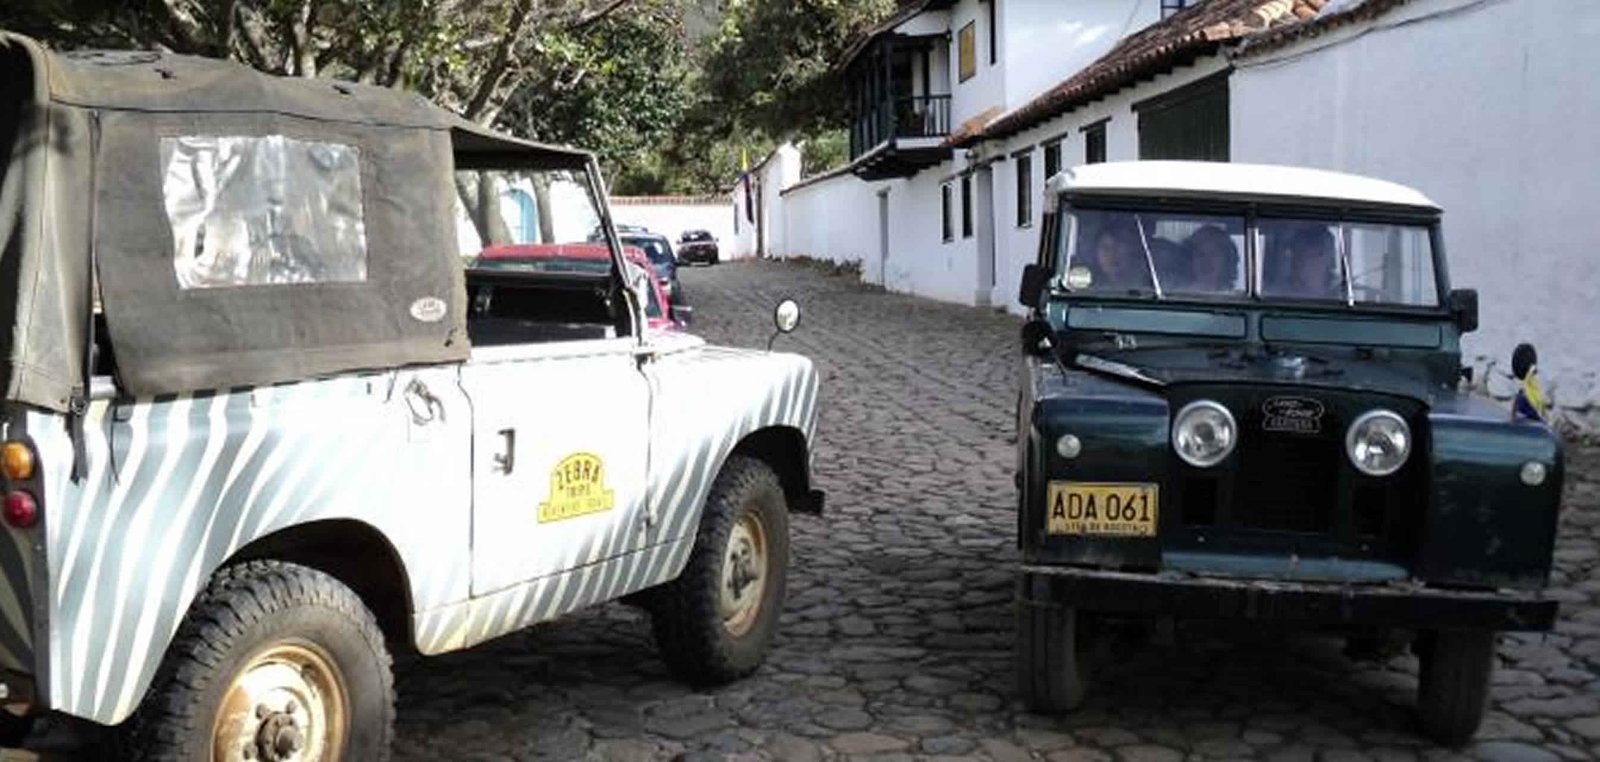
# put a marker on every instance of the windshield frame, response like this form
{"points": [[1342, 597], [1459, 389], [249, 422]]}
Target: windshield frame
{"points": [[1251, 212]]}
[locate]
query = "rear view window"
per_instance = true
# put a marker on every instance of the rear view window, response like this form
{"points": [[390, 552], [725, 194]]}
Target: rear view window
{"points": [[263, 210]]}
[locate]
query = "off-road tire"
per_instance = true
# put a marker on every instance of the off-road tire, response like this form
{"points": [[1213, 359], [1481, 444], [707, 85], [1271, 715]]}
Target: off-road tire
{"points": [[684, 614], [1453, 687], [248, 607], [1052, 657]]}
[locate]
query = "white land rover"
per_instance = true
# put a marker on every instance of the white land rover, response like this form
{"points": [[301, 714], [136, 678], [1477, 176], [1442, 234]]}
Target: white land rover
{"points": [[263, 424]]}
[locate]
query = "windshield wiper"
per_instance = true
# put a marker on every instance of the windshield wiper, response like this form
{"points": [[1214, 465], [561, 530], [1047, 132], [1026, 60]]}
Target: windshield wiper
{"points": [[1149, 259]]}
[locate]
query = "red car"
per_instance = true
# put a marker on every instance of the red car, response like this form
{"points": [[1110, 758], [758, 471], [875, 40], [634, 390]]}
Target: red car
{"points": [[583, 258]]}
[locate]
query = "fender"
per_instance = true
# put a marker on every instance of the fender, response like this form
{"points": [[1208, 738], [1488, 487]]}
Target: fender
{"points": [[178, 484]]}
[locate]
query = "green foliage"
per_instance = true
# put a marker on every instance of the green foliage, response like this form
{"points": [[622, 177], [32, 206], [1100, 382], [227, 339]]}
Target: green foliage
{"points": [[676, 96], [778, 59], [618, 87]]}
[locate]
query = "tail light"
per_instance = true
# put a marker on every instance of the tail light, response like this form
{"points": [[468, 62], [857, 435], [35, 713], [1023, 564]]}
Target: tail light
{"points": [[21, 510]]}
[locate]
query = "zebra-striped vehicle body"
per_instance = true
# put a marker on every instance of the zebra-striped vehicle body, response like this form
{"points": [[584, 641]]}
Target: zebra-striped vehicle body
{"points": [[266, 415], [178, 486]]}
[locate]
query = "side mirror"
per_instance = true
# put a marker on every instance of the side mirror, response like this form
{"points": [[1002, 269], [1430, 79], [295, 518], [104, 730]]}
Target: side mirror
{"points": [[682, 314], [785, 318], [1034, 280], [1464, 308]]}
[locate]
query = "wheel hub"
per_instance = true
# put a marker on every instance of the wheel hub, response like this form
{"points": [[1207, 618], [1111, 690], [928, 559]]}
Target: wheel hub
{"points": [[287, 704], [744, 566]]}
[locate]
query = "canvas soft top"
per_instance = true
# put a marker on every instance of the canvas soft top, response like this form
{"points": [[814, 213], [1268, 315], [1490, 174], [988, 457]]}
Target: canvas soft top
{"points": [[99, 150]]}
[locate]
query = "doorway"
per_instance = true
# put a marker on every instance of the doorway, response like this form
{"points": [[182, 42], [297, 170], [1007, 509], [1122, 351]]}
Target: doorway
{"points": [[883, 237], [985, 232]]}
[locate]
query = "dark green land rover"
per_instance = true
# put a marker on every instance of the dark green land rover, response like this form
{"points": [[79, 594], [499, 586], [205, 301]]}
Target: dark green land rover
{"points": [[1242, 399]]}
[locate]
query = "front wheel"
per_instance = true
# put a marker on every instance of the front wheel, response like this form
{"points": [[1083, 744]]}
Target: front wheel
{"points": [[715, 622], [275, 662], [1052, 657], [1453, 688]]}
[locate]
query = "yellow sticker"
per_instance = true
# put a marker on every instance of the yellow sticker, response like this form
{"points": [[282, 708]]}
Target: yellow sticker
{"points": [[577, 488]]}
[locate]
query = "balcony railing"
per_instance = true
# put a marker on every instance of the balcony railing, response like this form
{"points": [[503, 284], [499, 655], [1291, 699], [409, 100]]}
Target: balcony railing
{"points": [[921, 116]]}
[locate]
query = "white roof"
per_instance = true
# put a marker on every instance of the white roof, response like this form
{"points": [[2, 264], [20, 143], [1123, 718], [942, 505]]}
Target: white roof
{"points": [[1240, 181]]}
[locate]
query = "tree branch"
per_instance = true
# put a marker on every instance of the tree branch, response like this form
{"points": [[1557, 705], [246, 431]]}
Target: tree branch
{"points": [[478, 106], [598, 14]]}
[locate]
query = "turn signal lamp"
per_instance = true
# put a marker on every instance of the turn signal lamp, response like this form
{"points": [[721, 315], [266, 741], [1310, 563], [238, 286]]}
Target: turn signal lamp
{"points": [[21, 510], [16, 461]]}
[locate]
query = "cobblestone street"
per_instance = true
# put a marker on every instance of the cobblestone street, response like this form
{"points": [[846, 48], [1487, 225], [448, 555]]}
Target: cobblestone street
{"points": [[896, 639]]}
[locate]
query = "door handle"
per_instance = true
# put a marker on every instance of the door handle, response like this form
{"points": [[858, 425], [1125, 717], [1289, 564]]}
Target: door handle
{"points": [[506, 459]]}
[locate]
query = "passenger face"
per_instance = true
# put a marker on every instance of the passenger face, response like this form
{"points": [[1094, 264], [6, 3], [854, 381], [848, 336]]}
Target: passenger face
{"points": [[1210, 265], [1110, 252], [1314, 265]]}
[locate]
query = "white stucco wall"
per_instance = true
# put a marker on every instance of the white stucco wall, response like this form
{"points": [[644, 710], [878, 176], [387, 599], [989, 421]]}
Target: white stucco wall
{"points": [[670, 216], [987, 86], [778, 170], [1489, 108], [1045, 42]]}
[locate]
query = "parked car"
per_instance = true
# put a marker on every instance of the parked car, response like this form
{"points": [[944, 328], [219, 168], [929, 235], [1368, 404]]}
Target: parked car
{"points": [[285, 432], [544, 259], [698, 246], [1241, 400], [662, 261]]}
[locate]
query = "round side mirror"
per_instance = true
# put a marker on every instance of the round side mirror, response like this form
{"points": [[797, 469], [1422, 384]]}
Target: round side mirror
{"points": [[786, 317]]}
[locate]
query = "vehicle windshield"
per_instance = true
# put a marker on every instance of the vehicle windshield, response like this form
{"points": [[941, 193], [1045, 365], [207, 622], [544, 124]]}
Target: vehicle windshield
{"points": [[656, 249], [519, 208], [1169, 254]]}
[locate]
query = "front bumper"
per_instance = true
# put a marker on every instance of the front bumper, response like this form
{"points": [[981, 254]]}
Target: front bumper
{"points": [[1186, 597]]}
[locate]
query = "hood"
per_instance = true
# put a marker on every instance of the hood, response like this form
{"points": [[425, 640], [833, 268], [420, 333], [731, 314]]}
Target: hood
{"points": [[1332, 368]]}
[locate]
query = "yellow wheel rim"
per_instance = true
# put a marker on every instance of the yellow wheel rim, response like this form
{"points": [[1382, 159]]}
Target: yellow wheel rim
{"points": [[744, 575], [287, 704]]}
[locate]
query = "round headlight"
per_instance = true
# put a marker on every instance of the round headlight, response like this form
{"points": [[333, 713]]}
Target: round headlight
{"points": [[1378, 442], [1203, 433]]}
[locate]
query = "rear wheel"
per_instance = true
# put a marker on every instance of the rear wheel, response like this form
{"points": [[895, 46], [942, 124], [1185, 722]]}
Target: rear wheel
{"points": [[715, 622], [275, 662], [1052, 660], [1453, 688]]}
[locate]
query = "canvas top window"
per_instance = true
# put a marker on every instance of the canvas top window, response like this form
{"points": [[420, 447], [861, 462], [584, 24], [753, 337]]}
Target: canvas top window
{"points": [[1178, 254], [260, 210]]}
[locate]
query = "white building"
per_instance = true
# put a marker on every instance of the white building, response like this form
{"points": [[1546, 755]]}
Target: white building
{"points": [[1484, 105]]}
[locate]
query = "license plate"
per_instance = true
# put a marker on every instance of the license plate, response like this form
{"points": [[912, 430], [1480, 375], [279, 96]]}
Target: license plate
{"points": [[1102, 509]]}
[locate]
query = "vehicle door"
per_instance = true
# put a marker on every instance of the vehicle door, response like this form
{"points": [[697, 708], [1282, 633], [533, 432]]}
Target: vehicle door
{"points": [[559, 457]]}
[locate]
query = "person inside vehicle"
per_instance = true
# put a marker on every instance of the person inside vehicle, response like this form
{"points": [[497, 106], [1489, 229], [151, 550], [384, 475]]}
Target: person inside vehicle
{"points": [[1117, 262], [1213, 261], [1313, 265]]}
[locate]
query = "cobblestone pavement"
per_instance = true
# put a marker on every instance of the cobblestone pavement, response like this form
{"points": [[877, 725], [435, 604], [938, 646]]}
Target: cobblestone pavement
{"points": [[896, 639]]}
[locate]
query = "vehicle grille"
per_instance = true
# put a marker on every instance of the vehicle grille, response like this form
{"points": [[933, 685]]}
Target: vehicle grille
{"points": [[1286, 483]]}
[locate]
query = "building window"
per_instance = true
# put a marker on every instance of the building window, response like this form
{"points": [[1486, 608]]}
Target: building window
{"points": [[1094, 143], [1171, 7], [966, 206], [944, 213], [1052, 160], [1024, 190], [994, 33], [966, 50], [1188, 123]]}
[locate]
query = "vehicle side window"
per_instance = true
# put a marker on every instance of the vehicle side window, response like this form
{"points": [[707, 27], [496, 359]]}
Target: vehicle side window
{"points": [[263, 210]]}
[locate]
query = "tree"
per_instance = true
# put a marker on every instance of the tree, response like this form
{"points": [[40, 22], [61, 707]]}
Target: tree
{"points": [[468, 55]]}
